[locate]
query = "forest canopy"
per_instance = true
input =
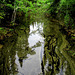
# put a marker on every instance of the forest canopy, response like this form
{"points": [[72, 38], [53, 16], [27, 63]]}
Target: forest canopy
{"points": [[62, 9]]}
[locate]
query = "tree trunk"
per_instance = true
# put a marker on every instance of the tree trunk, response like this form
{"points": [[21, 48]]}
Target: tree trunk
{"points": [[13, 16]]}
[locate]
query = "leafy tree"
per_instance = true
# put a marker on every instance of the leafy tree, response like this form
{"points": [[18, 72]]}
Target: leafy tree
{"points": [[65, 9]]}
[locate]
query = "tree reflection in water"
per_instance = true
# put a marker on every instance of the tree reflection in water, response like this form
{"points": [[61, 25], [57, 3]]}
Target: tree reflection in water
{"points": [[12, 46], [55, 59], [15, 50], [22, 46]]}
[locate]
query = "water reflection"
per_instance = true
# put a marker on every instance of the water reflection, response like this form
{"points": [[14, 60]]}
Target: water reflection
{"points": [[29, 53], [7, 56], [29, 49], [56, 61]]}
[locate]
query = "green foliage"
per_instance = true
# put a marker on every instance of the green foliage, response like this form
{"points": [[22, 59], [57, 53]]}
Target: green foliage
{"points": [[1, 28], [10, 5], [3, 31], [10, 29], [67, 19], [2, 15], [65, 9], [73, 54]]}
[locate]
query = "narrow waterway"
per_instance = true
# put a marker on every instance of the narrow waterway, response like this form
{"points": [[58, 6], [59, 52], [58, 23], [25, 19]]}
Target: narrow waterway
{"points": [[32, 64], [38, 49]]}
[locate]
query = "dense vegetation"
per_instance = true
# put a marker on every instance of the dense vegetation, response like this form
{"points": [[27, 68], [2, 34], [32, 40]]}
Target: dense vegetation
{"points": [[17, 12], [64, 10], [15, 18]]}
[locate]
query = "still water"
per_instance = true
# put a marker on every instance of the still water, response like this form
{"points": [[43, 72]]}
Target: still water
{"points": [[32, 64], [38, 49]]}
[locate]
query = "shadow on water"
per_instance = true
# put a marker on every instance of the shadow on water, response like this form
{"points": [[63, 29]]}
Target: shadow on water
{"points": [[37, 49]]}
